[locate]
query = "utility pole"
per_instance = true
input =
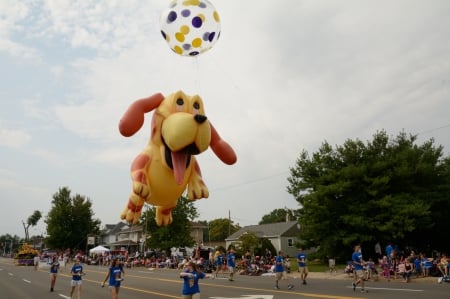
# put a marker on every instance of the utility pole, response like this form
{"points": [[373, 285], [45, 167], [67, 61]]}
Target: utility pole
{"points": [[229, 223]]}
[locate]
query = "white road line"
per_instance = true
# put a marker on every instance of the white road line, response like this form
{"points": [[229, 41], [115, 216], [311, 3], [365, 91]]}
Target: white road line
{"points": [[389, 289], [146, 272], [64, 296], [27, 281]]}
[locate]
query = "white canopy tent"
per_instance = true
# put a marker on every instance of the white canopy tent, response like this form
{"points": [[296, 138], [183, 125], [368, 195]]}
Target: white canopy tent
{"points": [[98, 250]]}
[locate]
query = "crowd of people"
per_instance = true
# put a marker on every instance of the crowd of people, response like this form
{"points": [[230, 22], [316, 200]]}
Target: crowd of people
{"points": [[396, 264]]}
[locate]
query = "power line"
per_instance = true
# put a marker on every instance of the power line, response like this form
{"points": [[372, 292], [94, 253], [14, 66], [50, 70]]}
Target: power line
{"points": [[252, 181], [434, 129]]}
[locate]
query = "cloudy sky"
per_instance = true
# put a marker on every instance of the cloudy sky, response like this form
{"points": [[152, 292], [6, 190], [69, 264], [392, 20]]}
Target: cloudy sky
{"points": [[284, 76]]}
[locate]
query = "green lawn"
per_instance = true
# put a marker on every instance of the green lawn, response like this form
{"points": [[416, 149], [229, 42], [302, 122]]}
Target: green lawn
{"points": [[316, 267]]}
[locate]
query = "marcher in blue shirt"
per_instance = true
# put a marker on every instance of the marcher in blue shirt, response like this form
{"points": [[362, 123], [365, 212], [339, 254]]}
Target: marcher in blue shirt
{"points": [[358, 265], [54, 267], [280, 272], [191, 275], [115, 275], [231, 263], [302, 268], [77, 273]]}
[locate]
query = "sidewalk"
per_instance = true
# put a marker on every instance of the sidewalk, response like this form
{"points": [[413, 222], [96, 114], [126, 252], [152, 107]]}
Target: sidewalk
{"points": [[345, 276]]}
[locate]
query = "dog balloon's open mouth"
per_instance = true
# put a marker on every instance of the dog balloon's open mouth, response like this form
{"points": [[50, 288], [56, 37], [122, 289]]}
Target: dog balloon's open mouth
{"points": [[178, 161]]}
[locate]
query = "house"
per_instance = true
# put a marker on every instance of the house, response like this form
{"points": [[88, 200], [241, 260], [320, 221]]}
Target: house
{"points": [[132, 237], [109, 232], [123, 236], [283, 235]]}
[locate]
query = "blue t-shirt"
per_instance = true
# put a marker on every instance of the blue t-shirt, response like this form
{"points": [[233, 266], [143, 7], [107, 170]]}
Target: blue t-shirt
{"points": [[219, 260], [279, 264], [115, 272], [54, 267], [301, 258], [190, 284], [357, 257], [231, 260], [76, 270]]}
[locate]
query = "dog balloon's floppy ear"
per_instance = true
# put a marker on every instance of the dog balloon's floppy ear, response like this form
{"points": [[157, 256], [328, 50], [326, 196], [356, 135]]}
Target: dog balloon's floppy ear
{"points": [[221, 148], [133, 119]]}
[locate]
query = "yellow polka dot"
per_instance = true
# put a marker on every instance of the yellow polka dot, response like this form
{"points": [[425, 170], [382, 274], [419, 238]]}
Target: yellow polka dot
{"points": [[216, 17], [180, 37], [184, 29], [178, 50], [191, 2], [197, 42], [201, 16]]}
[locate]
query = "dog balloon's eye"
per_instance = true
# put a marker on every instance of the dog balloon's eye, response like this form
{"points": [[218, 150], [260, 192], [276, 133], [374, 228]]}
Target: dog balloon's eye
{"points": [[180, 102], [196, 105]]}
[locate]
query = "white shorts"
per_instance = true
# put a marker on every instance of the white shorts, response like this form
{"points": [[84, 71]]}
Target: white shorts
{"points": [[74, 283]]}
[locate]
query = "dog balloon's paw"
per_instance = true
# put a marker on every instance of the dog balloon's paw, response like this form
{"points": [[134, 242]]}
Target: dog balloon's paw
{"points": [[130, 216], [163, 216], [132, 211], [197, 188], [141, 190]]}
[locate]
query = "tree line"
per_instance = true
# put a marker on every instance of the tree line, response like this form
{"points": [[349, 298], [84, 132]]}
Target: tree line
{"points": [[388, 190]]}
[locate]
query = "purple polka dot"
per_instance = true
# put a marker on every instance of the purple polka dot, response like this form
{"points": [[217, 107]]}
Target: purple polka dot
{"points": [[202, 5], [185, 13], [197, 22], [186, 47], [163, 34], [171, 17], [194, 53], [211, 36]]}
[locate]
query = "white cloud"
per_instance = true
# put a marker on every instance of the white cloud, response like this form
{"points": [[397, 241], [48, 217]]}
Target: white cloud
{"points": [[14, 138], [281, 78]]}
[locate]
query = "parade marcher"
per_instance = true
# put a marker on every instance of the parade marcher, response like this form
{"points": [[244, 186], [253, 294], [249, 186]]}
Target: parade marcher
{"points": [[76, 282], [358, 265], [280, 271], [115, 275], [54, 267]]}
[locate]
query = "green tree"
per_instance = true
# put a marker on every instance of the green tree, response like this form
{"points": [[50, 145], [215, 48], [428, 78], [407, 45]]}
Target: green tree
{"points": [[178, 233], [31, 221], [279, 215], [249, 241], [385, 190], [221, 228], [70, 221]]}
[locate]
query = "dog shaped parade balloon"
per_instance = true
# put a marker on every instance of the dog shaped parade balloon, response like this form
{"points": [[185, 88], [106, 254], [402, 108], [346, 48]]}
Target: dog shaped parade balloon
{"points": [[162, 171]]}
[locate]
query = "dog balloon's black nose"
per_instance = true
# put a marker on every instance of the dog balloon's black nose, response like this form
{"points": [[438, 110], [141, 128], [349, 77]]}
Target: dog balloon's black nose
{"points": [[200, 118]]}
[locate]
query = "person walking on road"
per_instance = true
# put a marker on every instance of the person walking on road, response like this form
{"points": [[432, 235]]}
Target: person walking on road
{"points": [[280, 271], [77, 273], [302, 268], [231, 263], [358, 265], [54, 267], [36, 261], [115, 275], [191, 276]]}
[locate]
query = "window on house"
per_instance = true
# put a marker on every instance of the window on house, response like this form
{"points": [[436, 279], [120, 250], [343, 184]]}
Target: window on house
{"points": [[290, 242]]}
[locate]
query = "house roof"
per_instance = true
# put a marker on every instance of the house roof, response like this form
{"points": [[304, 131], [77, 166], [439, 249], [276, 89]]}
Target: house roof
{"points": [[111, 229], [271, 230], [130, 229]]}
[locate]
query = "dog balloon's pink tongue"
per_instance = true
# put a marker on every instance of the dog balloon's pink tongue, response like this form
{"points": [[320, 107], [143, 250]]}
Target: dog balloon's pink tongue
{"points": [[179, 166]]}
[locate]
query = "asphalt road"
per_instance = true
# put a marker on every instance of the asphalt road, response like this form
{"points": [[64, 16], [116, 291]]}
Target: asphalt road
{"points": [[24, 282]]}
